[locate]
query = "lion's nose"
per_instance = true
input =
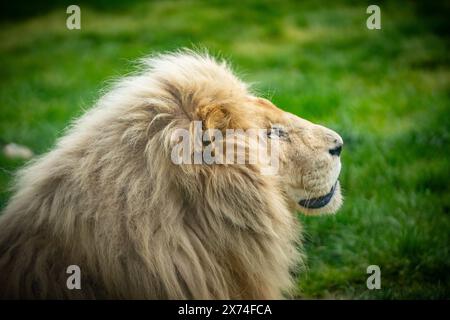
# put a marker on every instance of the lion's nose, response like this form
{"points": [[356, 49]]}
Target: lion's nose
{"points": [[330, 140], [336, 151]]}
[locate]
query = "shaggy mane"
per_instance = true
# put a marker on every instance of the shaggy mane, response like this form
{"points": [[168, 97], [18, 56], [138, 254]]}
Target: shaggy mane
{"points": [[108, 199]]}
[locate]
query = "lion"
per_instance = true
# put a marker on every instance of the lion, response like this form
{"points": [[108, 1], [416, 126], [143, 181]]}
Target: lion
{"points": [[108, 199]]}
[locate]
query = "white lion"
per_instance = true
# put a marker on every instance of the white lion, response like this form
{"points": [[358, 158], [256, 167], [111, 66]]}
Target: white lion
{"points": [[108, 199]]}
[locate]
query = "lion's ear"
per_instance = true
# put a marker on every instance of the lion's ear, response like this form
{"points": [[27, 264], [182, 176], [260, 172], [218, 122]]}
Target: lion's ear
{"points": [[217, 117]]}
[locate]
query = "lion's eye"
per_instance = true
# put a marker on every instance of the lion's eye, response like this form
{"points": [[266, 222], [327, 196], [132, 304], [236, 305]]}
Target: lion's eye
{"points": [[277, 131]]}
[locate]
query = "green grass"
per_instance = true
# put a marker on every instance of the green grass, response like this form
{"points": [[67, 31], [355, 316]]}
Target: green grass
{"points": [[386, 92]]}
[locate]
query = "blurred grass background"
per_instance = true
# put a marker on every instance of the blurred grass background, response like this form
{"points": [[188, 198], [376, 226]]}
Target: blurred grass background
{"points": [[386, 92]]}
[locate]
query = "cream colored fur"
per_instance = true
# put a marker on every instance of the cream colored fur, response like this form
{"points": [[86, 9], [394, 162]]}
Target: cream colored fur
{"points": [[108, 199]]}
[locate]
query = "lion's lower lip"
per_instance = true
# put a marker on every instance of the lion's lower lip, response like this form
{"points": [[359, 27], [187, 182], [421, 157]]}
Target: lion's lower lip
{"points": [[319, 202]]}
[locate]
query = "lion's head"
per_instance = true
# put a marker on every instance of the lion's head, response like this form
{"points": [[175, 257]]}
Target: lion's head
{"points": [[309, 162]]}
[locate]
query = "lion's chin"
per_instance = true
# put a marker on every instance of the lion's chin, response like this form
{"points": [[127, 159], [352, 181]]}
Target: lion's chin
{"points": [[327, 204]]}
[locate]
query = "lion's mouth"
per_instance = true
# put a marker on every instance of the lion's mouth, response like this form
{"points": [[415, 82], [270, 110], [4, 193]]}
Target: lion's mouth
{"points": [[315, 203]]}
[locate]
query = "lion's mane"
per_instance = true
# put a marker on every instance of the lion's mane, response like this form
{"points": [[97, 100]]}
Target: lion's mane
{"points": [[109, 199]]}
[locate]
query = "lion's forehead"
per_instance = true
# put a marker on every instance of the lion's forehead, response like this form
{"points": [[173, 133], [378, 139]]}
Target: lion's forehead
{"points": [[264, 113]]}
